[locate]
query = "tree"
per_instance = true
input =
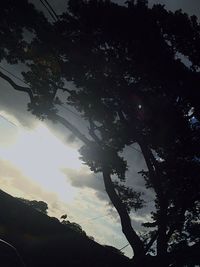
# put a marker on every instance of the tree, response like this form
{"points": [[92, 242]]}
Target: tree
{"points": [[72, 225], [131, 87], [41, 206], [115, 250]]}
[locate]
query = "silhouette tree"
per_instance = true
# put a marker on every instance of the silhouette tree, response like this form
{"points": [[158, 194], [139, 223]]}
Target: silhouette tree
{"points": [[131, 86], [72, 225], [38, 205]]}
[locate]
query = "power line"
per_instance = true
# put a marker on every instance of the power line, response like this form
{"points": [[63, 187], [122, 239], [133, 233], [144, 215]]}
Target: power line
{"points": [[50, 10], [68, 109], [124, 247], [8, 121], [18, 78], [93, 219], [77, 115], [135, 149], [15, 76], [74, 113]]}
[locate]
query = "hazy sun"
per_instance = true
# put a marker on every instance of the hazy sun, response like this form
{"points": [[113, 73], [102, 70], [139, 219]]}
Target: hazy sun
{"points": [[41, 156]]}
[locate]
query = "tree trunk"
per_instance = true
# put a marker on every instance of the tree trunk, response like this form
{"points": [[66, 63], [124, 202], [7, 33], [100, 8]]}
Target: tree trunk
{"points": [[130, 234], [132, 237], [155, 177]]}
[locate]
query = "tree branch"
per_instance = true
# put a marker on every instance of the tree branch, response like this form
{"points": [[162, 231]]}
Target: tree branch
{"points": [[153, 239], [92, 132], [18, 87], [131, 235], [153, 175], [63, 121], [162, 212], [64, 89]]}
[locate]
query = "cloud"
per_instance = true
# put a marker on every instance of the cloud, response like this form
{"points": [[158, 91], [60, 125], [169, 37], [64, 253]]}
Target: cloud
{"points": [[191, 7], [14, 103], [84, 178], [13, 181]]}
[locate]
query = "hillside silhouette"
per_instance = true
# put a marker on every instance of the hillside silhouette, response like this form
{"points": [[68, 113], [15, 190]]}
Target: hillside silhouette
{"points": [[41, 240]]}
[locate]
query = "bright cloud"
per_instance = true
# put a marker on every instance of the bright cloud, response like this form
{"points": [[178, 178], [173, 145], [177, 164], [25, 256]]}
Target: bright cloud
{"points": [[41, 156]]}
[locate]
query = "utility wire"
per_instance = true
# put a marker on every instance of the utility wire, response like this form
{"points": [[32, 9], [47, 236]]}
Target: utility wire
{"points": [[93, 219], [49, 9], [18, 78], [78, 116], [135, 149], [68, 109], [99, 217], [124, 247], [15, 76], [74, 113], [8, 121]]}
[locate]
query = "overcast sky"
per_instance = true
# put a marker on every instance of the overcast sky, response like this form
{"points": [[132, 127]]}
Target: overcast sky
{"points": [[55, 174], [192, 7]]}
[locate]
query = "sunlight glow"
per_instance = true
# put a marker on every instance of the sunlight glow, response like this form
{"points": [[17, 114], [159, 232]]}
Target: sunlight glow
{"points": [[41, 157]]}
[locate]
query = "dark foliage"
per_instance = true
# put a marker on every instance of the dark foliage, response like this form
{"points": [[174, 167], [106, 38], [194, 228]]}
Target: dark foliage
{"points": [[38, 205]]}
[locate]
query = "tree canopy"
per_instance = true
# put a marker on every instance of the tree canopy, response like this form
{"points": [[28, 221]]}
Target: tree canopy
{"points": [[131, 85], [41, 206]]}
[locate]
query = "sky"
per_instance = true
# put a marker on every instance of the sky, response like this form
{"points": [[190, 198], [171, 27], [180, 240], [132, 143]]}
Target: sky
{"points": [[192, 7], [40, 160]]}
